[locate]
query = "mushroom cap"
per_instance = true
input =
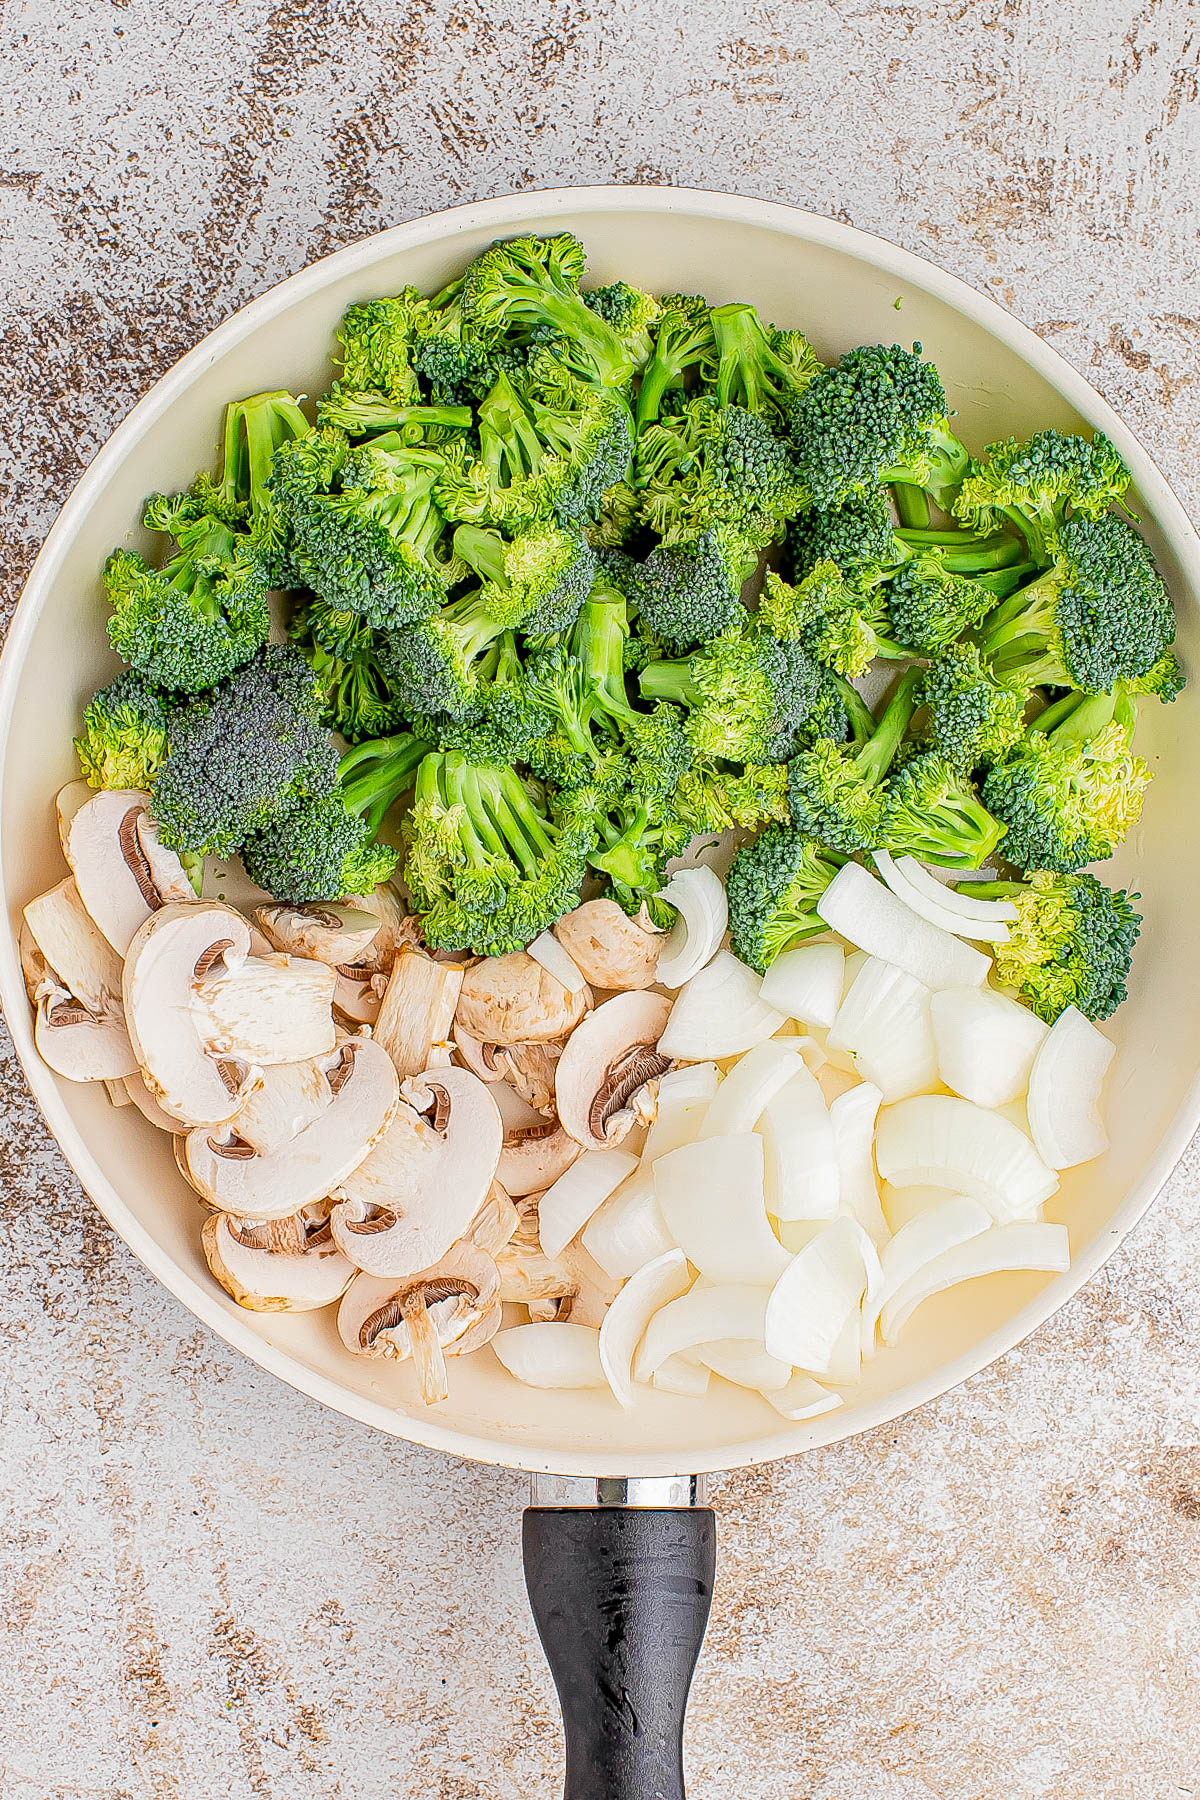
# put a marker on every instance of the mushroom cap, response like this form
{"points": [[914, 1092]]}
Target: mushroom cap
{"points": [[79, 958], [610, 949], [417, 1192], [79, 1045], [607, 1059], [535, 1155], [146, 1104], [462, 1290], [332, 932], [358, 998], [108, 859], [270, 1280], [313, 1163], [512, 999]]}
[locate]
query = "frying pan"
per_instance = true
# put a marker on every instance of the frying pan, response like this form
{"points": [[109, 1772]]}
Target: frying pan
{"points": [[619, 1552]]}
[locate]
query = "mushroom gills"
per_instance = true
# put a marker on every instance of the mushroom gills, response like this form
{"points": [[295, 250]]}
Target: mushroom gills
{"points": [[80, 1045], [329, 932], [607, 1061], [450, 1309], [286, 1265]]}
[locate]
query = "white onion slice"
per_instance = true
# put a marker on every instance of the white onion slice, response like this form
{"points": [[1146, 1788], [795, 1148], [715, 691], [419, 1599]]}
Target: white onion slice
{"points": [[965, 906], [1064, 1091], [679, 1376], [929, 901], [700, 1317], [698, 896], [745, 1363], [884, 1024], [800, 1170], [551, 1355], [901, 1205], [806, 983], [1024, 1244], [686, 1085], [568, 1203], [853, 1116], [711, 1198], [845, 1362], [750, 1086], [547, 950], [628, 1231], [803, 1398], [719, 1013], [939, 1228], [861, 909], [938, 1140], [985, 1043], [814, 1299], [625, 1323]]}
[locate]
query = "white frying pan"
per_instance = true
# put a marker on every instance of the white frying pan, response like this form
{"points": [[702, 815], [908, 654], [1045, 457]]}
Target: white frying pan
{"points": [[619, 1558]]}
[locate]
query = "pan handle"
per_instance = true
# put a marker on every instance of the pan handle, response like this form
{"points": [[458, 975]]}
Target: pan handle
{"points": [[620, 1589]]}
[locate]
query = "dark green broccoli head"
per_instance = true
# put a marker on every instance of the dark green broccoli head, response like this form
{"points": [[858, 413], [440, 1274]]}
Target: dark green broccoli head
{"points": [[529, 287], [932, 810], [1072, 944], [711, 465], [688, 593], [1037, 485], [125, 735], [878, 415], [317, 850], [746, 694], [858, 536], [774, 887], [929, 607], [435, 665], [970, 719]]}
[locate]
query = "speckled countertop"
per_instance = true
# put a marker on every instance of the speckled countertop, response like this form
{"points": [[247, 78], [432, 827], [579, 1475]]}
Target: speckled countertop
{"points": [[212, 1589]]}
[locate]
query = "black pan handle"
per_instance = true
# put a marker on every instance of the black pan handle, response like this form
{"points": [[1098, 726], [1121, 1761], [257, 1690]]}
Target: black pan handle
{"points": [[621, 1595]]}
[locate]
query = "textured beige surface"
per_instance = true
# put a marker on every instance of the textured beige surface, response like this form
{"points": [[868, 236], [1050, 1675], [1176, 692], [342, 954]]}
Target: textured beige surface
{"points": [[211, 1589]]}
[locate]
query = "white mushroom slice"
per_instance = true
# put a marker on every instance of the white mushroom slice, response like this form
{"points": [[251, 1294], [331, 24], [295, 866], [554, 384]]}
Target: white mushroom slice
{"points": [[396, 926], [317, 1160], [607, 1060], [529, 1069], [67, 803], [167, 871], [484, 1060], [496, 1222], [417, 1192], [81, 960], [266, 1268], [332, 933], [174, 948], [147, 1105], [530, 1278], [534, 1156], [417, 1010], [608, 947], [448, 1309], [33, 963], [289, 1098], [513, 1000], [78, 1044], [358, 998], [266, 1009], [118, 1093], [108, 859]]}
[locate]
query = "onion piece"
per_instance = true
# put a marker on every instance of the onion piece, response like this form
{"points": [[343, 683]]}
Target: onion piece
{"points": [[1064, 1091], [806, 983], [547, 950], [1025, 1244], [628, 1231], [964, 906], [686, 1085], [853, 1116], [745, 1363], [845, 1362], [902, 1205], [941, 1141], [568, 1203], [939, 1228], [803, 1398], [861, 909], [927, 899], [800, 1169], [985, 1043], [662, 1280], [700, 1317], [711, 1198], [679, 1376], [698, 896], [884, 1024], [815, 1298], [750, 1086], [719, 1013], [551, 1354]]}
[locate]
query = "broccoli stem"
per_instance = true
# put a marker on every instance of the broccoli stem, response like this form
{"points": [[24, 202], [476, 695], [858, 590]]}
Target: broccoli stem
{"points": [[599, 643], [876, 756], [374, 774], [963, 553], [862, 720], [669, 681], [912, 505]]}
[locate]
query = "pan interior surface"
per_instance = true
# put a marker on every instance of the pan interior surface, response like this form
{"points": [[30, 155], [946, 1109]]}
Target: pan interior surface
{"points": [[842, 288]]}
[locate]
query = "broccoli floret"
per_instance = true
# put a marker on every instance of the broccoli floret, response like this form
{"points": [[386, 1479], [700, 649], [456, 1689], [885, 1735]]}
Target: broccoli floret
{"points": [[746, 694], [711, 797], [1164, 680], [632, 315], [378, 339], [125, 735], [357, 698], [1071, 945], [317, 850], [930, 608], [858, 538], [774, 886], [345, 635], [241, 755], [1039, 484], [436, 665], [688, 593], [1099, 614], [971, 720], [826, 615], [878, 415], [683, 342], [932, 810], [1072, 787], [375, 774], [530, 286], [836, 790], [364, 413], [759, 367], [240, 496], [537, 579], [710, 465]]}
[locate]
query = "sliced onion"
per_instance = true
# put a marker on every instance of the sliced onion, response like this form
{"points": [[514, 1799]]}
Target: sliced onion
{"points": [[745, 1363], [820, 1290], [551, 1355], [853, 1116], [698, 896], [937, 1140], [800, 1170], [806, 983], [568, 1203], [803, 1398], [719, 1013], [1021, 1245], [884, 1024], [901, 1205], [679, 1376], [1064, 1091], [985, 1043], [700, 1317], [711, 1198], [625, 1323], [845, 1362], [862, 1343], [939, 1228], [794, 1234], [547, 950], [750, 1086], [684, 1086], [924, 894], [628, 1231], [965, 906], [861, 909]]}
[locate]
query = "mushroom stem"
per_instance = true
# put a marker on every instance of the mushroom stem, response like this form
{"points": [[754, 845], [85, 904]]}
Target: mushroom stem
{"points": [[426, 1347]]}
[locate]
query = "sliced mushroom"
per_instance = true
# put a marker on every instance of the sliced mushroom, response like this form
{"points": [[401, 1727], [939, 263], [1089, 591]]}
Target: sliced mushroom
{"points": [[512, 1000], [608, 947], [118, 1093], [530, 1278], [268, 1270], [425, 1180], [448, 1309], [79, 1044], [170, 876], [228, 1174], [147, 1105], [79, 958], [397, 928], [33, 963], [289, 1097], [529, 1070], [608, 1059], [67, 803], [106, 846], [484, 1060], [358, 998], [535, 1155], [417, 1009], [495, 1222], [265, 1009], [332, 933]]}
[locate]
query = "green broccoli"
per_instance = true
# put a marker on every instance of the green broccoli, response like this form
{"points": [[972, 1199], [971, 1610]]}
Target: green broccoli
{"points": [[1164, 680], [516, 291], [1072, 943], [774, 887], [125, 735], [688, 593], [825, 614], [378, 340], [538, 579], [317, 850], [759, 367], [714, 797], [375, 774], [746, 694], [931, 809], [712, 465], [632, 315], [857, 540], [971, 720], [364, 413], [1039, 484], [241, 495], [683, 342], [836, 790]]}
